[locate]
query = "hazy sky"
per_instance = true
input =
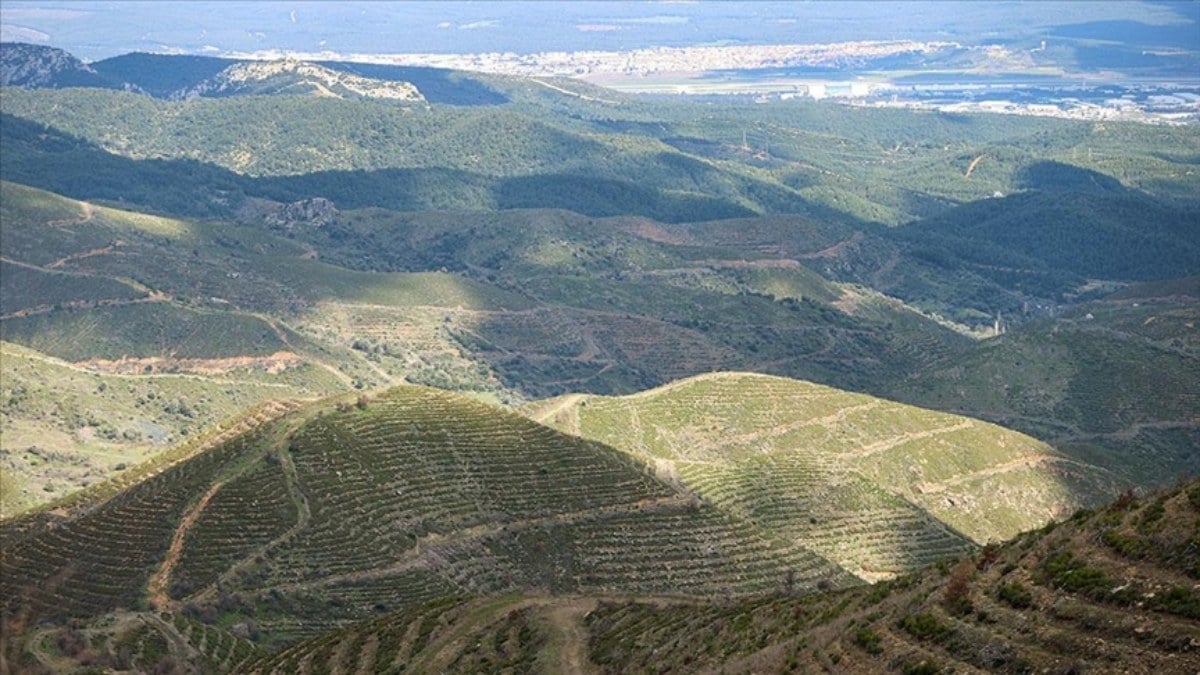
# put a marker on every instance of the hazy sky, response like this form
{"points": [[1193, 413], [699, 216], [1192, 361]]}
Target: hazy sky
{"points": [[98, 29]]}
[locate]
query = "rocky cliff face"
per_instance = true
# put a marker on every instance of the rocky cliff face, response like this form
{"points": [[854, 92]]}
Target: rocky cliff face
{"points": [[298, 77], [36, 66]]}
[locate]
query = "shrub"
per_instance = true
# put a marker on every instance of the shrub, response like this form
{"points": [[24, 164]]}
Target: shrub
{"points": [[869, 640], [925, 626], [1016, 595]]}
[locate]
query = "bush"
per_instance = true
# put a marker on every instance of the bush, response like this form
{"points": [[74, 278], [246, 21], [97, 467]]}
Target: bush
{"points": [[1016, 595], [869, 640], [926, 626]]}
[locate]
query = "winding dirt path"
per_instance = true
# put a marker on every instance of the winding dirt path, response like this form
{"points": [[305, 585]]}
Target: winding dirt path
{"points": [[567, 402], [425, 552], [834, 250], [576, 94], [86, 212], [160, 582], [971, 167], [303, 510], [104, 250]]}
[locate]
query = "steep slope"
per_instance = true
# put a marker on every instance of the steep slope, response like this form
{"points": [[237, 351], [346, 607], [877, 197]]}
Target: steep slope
{"points": [[339, 510], [38, 66], [869, 483], [1107, 591], [1117, 235]]}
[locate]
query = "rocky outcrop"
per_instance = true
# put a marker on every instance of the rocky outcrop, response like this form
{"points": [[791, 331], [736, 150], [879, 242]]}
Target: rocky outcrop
{"points": [[316, 212], [37, 66], [298, 77]]}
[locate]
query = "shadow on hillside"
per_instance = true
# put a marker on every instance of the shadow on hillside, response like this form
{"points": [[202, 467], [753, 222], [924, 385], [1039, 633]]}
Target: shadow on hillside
{"points": [[44, 157], [1059, 177], [617, 332], [162, 75]]}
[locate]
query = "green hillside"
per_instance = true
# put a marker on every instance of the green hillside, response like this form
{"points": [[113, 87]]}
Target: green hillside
{"points": [[855, 477], [343, 509], [1107, 591], [67, 427], [1114, 382], [519, 305]]}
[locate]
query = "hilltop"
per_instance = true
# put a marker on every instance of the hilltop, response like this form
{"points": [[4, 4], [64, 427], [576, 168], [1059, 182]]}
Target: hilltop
{"points": [[341, 509], [298, 78], [181, 78], [855, 476]]}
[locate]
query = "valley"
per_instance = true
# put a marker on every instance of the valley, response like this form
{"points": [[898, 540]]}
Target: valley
{"points": [[364, 367]]}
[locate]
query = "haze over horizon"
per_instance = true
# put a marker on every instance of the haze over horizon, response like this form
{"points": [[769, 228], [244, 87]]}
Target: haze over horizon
{"points": [[95, 31]]}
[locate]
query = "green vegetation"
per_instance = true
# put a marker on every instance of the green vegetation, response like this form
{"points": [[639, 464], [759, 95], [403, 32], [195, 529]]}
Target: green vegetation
{"points": [[906, 629], [165, 341], [854, 477], [66, 427], [337, 511]]}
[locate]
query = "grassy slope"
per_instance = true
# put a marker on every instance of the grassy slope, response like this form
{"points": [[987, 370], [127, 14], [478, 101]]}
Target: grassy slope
{"points": [[67, 427], [844, 473], [1107, 591]]}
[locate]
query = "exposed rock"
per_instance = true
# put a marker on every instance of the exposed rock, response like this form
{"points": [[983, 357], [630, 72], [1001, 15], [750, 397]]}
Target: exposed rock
{"points": [[315, 212], [289, 76]]}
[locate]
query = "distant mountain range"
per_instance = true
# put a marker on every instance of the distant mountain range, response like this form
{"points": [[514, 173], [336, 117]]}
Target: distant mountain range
{"points": [[184, 77]]}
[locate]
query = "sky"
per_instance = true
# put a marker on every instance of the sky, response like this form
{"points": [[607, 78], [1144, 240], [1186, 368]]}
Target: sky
{"points": [[97, 29]]}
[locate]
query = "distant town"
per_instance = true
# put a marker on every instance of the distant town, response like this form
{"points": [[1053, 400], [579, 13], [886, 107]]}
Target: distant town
{"points": [[933, 75]]}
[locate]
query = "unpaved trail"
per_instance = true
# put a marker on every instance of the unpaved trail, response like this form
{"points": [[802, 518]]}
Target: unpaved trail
{"points": [[576, 94], [1024, 462], [86, 367], [442, 650], [303, 510], [782, 429], [896, 441], [160, 581], [974, 163], [103, 250], [86, 212], [568, 402], [566, 619], [425, 551], [834, 250]]}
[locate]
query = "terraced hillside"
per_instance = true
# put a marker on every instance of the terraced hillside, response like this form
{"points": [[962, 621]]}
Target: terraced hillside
{"points": [[879, 487], [340, 510], [1111, 590]]}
